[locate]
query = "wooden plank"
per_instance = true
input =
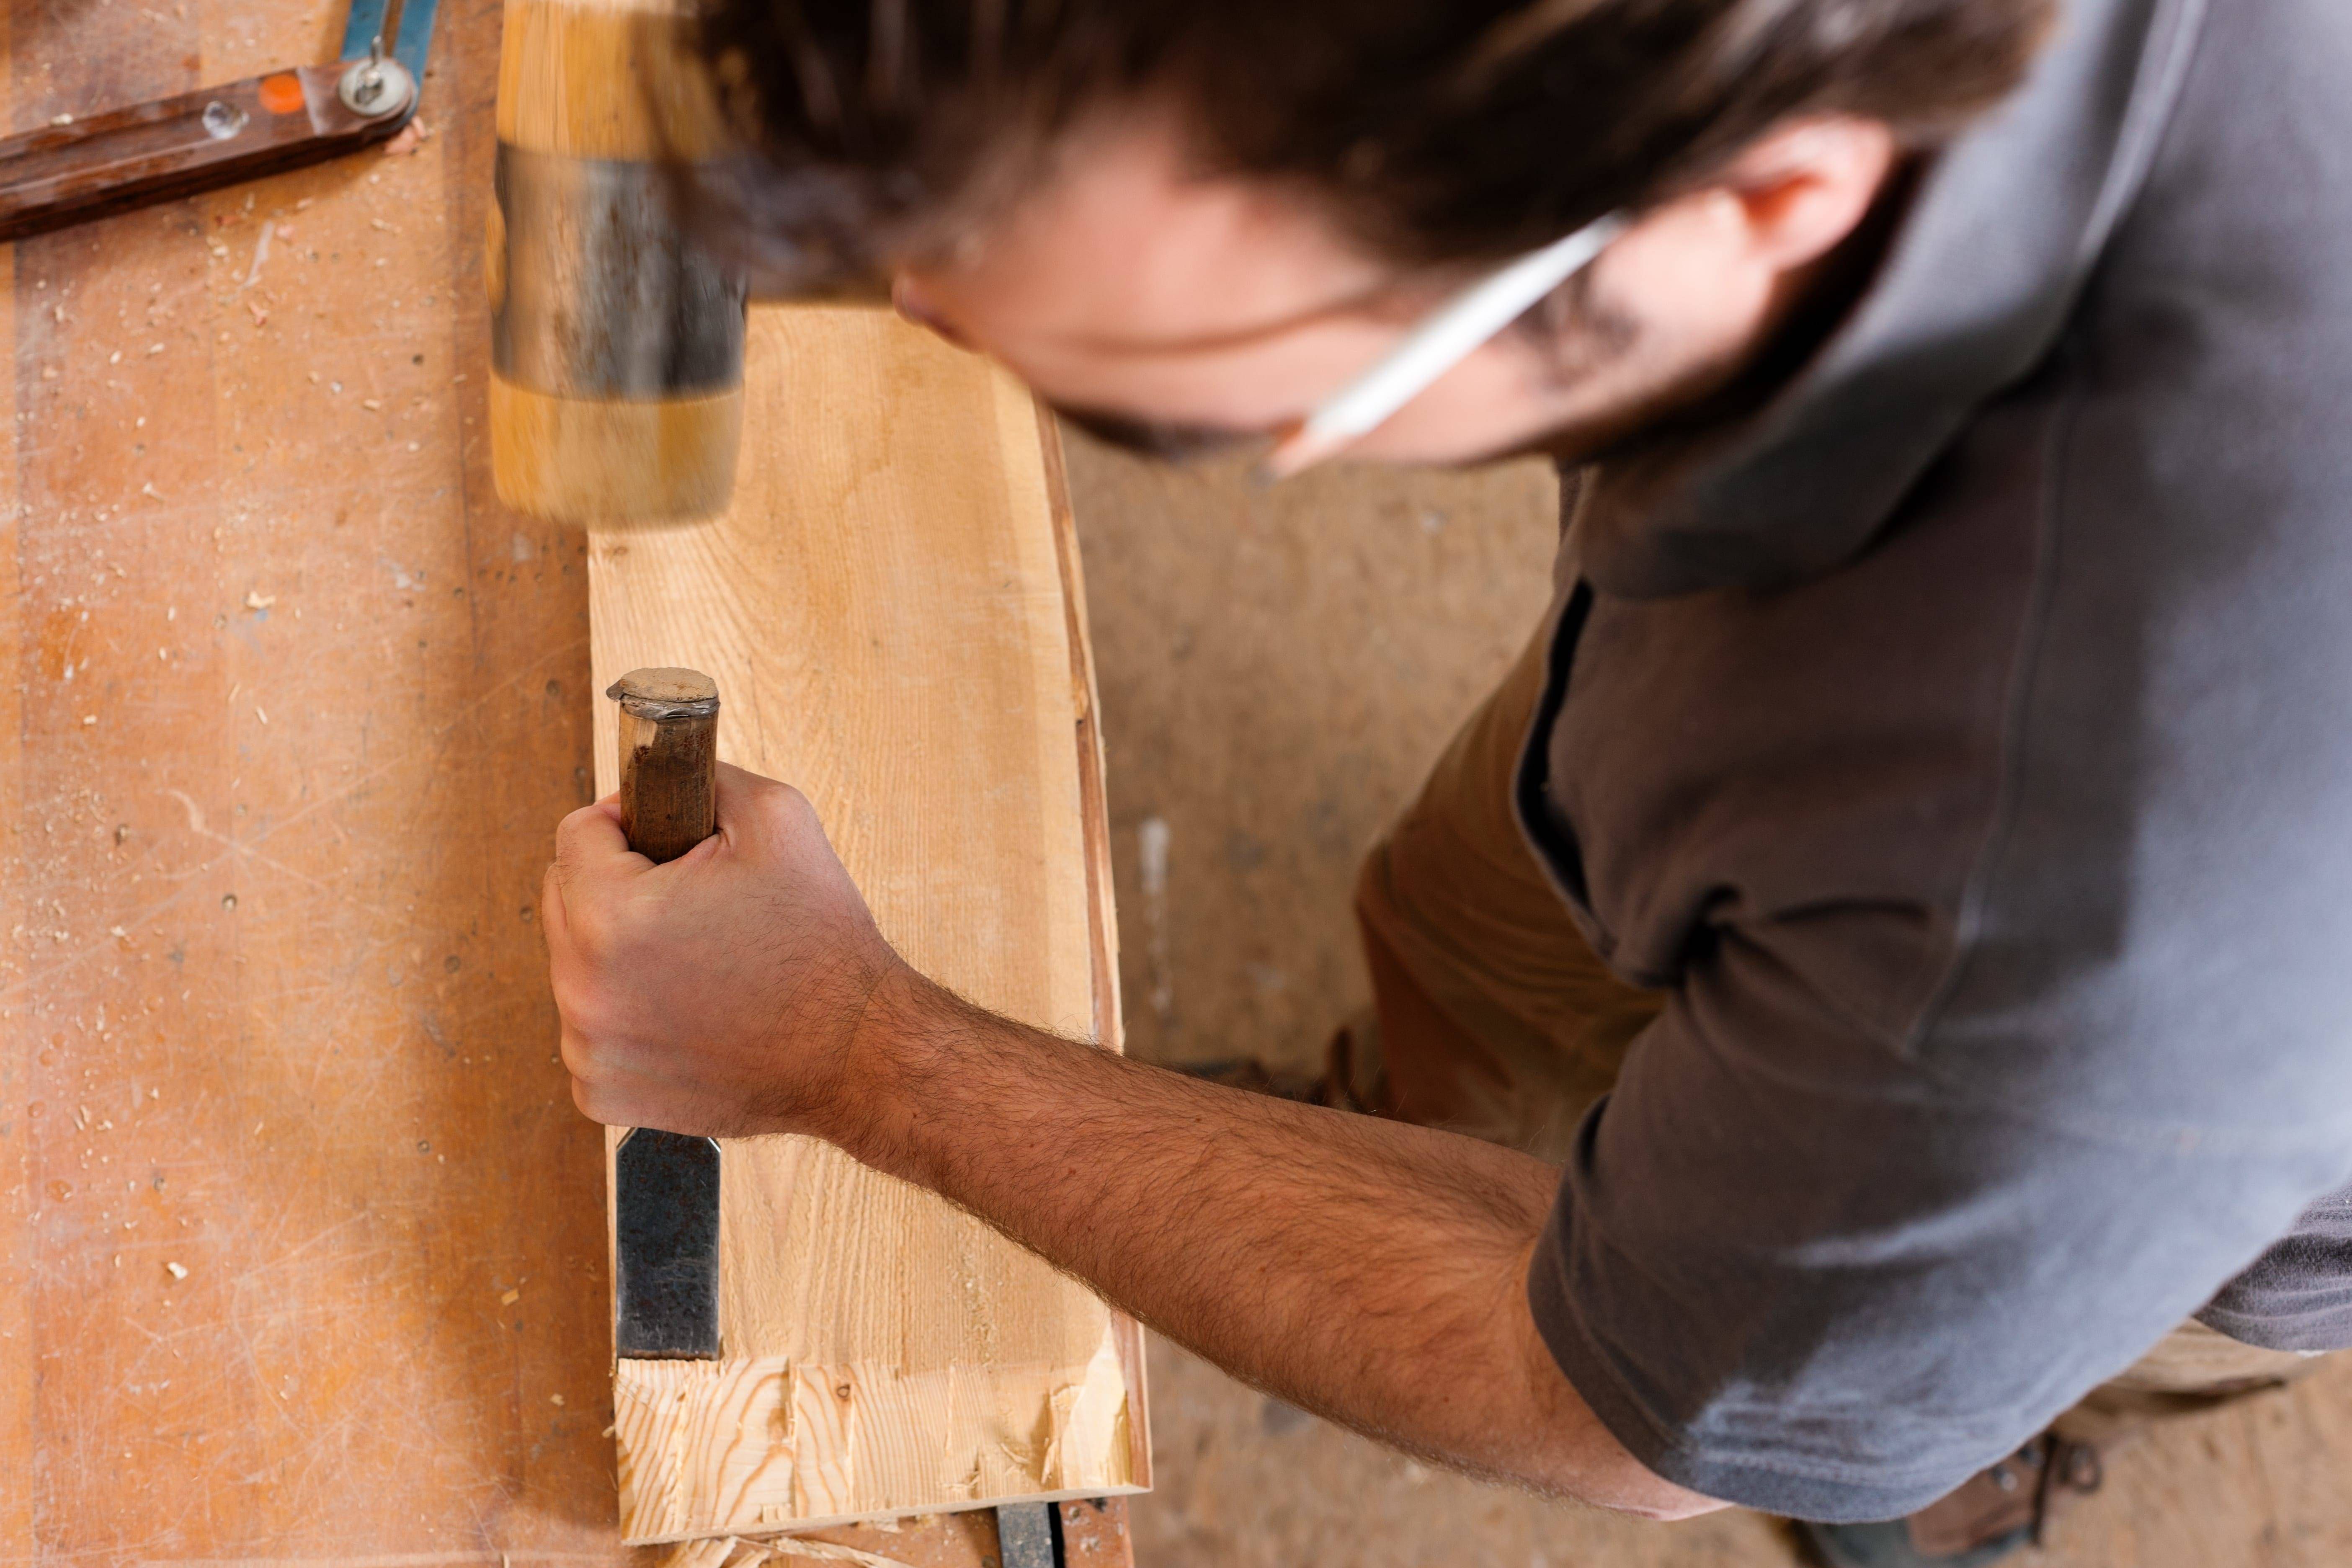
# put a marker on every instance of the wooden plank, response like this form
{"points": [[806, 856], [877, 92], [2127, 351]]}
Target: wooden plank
{"points": [[18, 1199], [888, 609], [277, 1041]]}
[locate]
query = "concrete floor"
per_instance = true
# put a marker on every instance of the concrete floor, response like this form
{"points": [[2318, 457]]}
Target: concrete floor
{"points": [[1277, 669]]}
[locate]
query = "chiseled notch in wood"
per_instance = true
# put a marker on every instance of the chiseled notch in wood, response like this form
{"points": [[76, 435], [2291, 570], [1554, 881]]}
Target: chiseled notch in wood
{"points": [[747, 1444], [824, 1441]]}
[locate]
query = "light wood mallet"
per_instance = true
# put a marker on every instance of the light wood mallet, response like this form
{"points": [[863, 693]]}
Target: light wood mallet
{"points": [[617, 342]]}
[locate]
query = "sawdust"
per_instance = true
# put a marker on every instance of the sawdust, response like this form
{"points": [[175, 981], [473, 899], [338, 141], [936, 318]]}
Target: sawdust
{"points": [[737, 1551]]}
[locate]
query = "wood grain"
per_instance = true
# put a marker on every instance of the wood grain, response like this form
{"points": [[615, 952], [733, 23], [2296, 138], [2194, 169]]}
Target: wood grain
{"points": [[887, 608], [21, 1251], [333, 680]]}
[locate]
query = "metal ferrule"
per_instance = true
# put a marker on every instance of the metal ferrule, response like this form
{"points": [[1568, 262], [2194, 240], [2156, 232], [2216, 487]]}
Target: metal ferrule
{"points": [[595, 293], [662, 709]]}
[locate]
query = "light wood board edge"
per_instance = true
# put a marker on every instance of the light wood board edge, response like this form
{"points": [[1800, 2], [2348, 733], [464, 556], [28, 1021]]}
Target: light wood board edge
{"points": [[1102, 916]]}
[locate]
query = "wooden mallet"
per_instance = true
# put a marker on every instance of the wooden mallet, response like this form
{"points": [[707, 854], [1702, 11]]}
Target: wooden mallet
{"points": [[616, 343]]}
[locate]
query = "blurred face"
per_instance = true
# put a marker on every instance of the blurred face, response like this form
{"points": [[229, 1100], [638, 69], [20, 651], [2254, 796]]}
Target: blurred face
{"points": [[1178, 312]]}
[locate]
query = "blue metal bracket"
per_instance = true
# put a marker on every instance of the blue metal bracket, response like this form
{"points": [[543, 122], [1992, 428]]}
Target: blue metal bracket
{"points": [[416, 33]]}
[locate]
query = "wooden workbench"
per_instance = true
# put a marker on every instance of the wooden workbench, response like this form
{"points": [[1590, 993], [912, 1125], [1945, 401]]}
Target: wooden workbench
{"points": [[301, 1243]]}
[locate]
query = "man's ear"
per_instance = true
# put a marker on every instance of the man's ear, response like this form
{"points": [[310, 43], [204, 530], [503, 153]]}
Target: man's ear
{"points": [[1801, 188]]}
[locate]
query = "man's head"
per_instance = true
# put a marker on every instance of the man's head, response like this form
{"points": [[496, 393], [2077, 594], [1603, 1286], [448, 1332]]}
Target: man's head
{"points": [[1187, 218]]}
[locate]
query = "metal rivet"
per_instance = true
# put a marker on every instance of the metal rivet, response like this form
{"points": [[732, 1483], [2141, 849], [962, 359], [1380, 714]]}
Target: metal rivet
{"points": [[375, 87]]}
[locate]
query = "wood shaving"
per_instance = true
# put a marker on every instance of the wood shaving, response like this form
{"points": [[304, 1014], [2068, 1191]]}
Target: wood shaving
{"points": [[826, 1551]]}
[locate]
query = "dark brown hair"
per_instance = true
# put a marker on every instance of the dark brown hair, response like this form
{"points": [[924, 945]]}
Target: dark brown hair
{"points": [[1431, 131]]}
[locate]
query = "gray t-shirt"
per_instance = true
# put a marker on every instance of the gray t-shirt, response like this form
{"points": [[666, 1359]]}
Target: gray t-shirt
{"points": [[1964, 742]]}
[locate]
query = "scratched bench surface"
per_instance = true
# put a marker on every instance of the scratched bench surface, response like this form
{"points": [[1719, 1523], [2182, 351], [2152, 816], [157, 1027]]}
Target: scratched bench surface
{"points": [[302, 1242]]}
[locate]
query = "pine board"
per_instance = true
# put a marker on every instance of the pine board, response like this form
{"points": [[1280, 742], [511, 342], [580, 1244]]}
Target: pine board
{"points": [[889, 608]]}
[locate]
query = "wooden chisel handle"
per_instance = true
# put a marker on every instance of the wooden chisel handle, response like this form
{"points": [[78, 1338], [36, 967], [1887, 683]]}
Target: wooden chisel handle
{"points": [[666, 1185], [669, 759]]}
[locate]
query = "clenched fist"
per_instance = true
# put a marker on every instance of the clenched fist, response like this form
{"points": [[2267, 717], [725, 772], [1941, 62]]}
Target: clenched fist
{"points": [[722, 993]]}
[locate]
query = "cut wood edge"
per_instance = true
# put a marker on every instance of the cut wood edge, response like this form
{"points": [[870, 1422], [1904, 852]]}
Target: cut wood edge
{"points": [[1102, 915], [800, 1526], [715, 1447], [1094, 801]]}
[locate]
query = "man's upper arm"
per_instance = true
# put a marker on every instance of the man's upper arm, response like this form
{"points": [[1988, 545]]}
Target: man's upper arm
{"points": [[1581, 1457]]}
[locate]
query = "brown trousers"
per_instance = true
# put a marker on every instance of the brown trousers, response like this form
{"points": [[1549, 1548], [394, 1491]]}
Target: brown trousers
{"points": [[1497, 1019]]}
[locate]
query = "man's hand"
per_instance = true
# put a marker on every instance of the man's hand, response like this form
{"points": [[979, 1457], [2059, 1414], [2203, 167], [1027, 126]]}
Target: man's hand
{"points": [[719, 994]]}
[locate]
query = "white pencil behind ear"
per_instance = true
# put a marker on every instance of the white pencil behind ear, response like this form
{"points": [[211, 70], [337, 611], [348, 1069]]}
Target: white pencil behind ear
{"points": [[1457, 329]]}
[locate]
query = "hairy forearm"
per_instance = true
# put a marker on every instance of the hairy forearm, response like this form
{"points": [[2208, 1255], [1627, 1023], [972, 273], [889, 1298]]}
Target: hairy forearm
{"points": [[1362, 1268], [1365, 1269]]}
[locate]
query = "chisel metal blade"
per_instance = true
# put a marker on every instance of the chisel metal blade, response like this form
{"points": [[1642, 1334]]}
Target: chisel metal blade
{"points": [[666, 1301]]}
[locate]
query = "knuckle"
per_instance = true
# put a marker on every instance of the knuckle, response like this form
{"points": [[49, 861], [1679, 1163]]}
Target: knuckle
{"points": [[593, 931], [576, 833], [567, 832], [788, 808], [588, 1025], [586, 935]]}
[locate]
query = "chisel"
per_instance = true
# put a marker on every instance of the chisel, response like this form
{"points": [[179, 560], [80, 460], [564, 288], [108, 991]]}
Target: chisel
{"points": [[666, 1185]]}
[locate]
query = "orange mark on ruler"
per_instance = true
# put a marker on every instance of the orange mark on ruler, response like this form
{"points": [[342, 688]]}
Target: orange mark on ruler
{"points": [[282, 93]]}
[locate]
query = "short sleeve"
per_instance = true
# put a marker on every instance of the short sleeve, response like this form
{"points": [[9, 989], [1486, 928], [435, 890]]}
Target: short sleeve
{"points": [[1794, 1267]]}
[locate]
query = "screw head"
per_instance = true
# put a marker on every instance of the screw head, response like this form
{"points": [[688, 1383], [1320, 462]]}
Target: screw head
{"points": [[374, 89]]}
